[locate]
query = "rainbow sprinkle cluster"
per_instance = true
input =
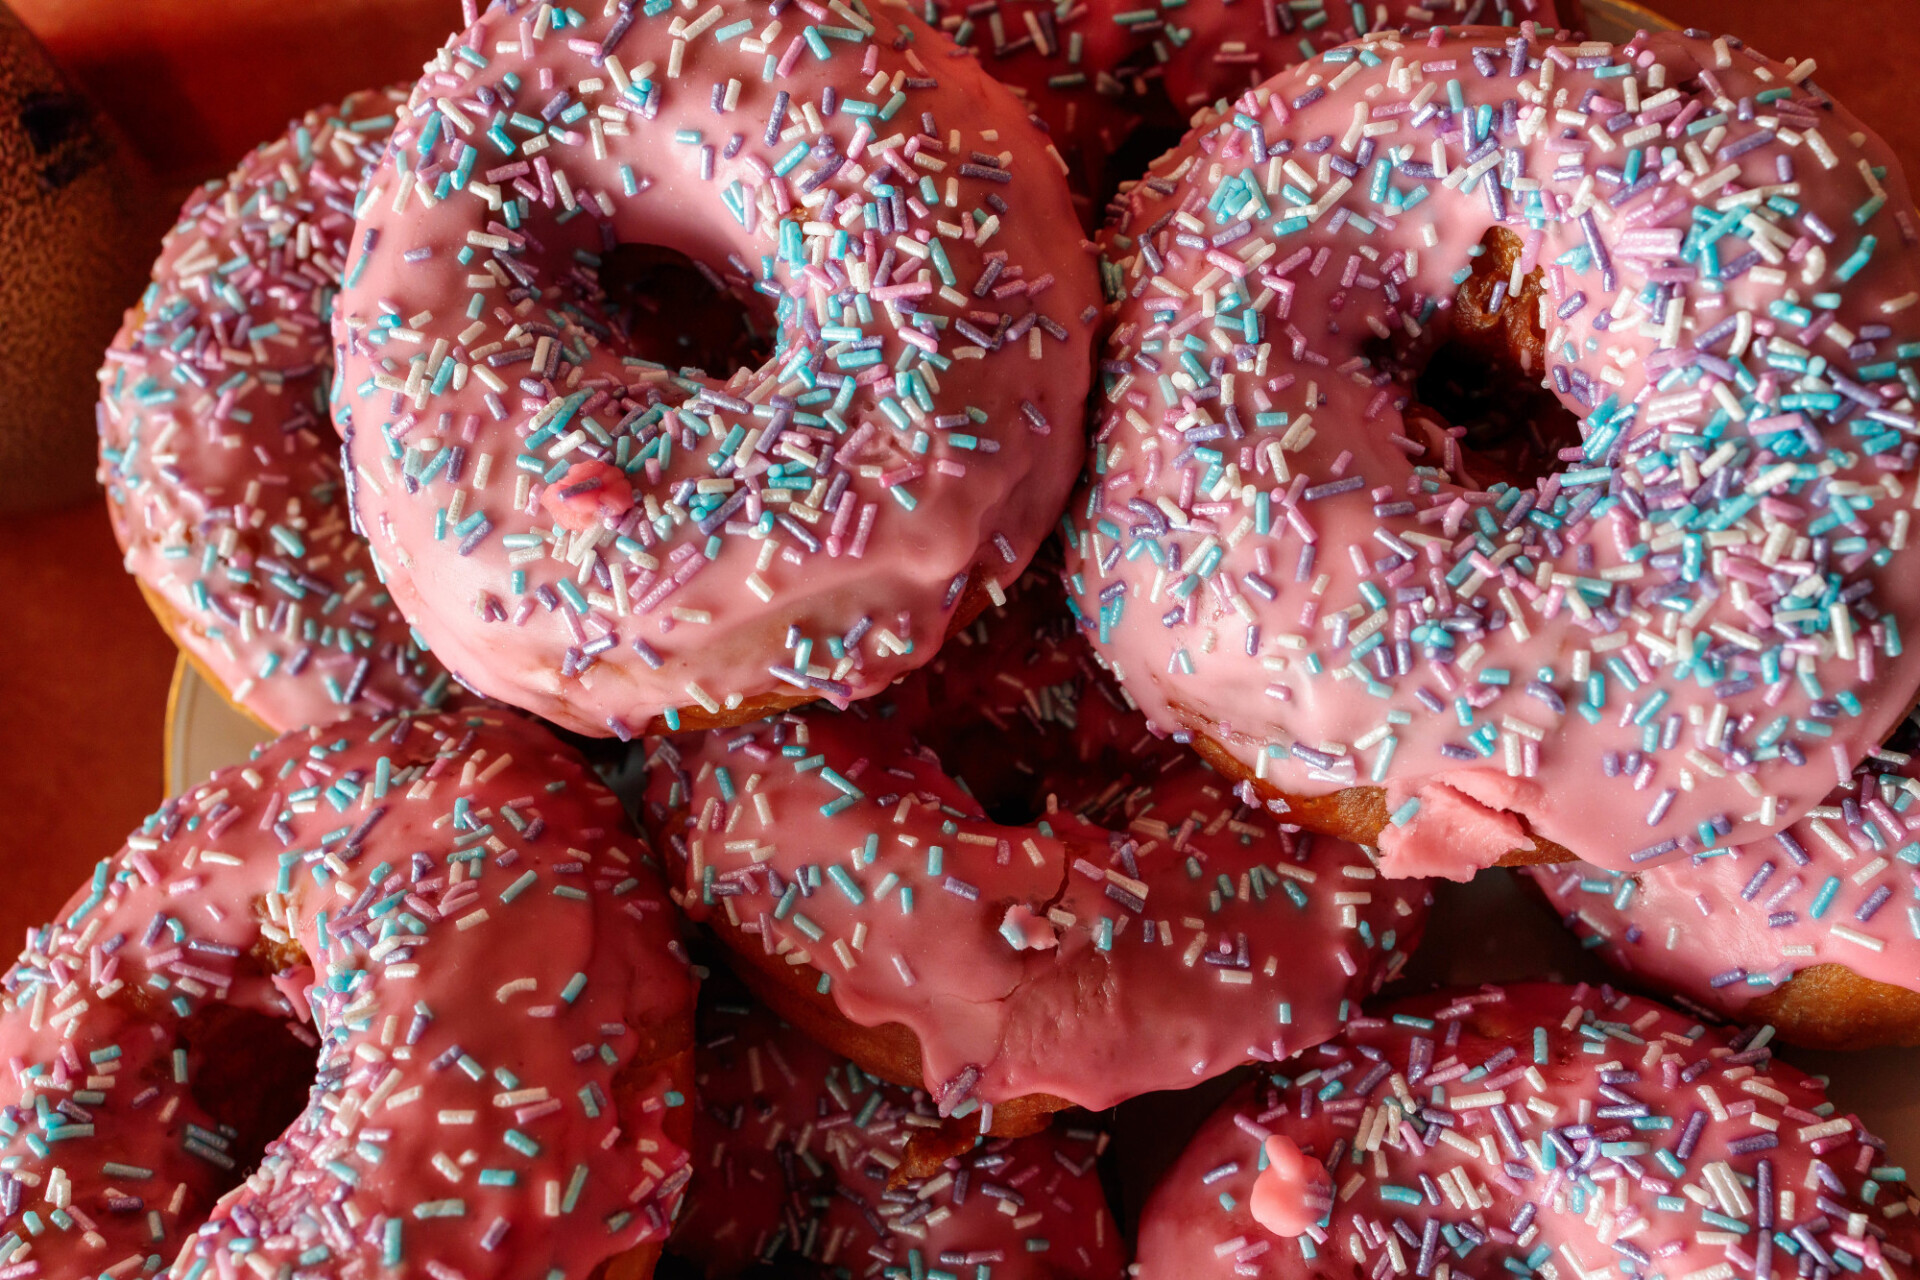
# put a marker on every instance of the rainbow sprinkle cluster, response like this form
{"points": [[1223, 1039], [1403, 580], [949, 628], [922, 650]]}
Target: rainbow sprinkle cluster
{"points": [[1729, 926]]}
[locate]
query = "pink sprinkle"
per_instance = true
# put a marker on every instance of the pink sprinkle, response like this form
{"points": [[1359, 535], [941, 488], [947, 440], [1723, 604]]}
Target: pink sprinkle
{"points": [[867, 513]]}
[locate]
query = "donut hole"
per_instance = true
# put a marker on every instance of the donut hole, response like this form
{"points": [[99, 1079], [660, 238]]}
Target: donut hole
{"points": [[1008, 786], [1128, 162], [1906, 735], [1021, 769], [252, 1072], [1511, 430], [1481, 380], [668, 307]]}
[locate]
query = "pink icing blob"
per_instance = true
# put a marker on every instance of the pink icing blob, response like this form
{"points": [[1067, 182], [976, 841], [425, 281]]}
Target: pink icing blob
{"points": [[1841, 886], [1025, 931], [1292, 1193], [588, 494], [1447, 833]]}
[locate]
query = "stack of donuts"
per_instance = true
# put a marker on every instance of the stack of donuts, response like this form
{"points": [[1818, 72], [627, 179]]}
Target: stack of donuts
{"points": [[812, 694]]}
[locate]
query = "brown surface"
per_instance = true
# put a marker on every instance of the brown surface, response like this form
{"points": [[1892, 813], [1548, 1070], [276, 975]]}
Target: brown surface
{"points": [[196, 83], [1356, 814], [73, 231], [83, 686]]}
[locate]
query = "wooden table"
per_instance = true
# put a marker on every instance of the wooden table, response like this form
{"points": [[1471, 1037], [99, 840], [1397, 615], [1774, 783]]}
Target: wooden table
{"points": [[87, 668]]}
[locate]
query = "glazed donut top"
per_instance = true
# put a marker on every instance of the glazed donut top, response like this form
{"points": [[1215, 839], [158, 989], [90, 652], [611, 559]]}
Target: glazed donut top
{"points": [[797, 1151], [488, 968], [608, 540], [1146, 929], [1713, 584], [221, 466], [1841, 886], [1539, 1129]]}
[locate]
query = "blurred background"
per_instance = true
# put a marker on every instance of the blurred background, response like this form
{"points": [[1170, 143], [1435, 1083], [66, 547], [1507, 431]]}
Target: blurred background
{"points": [[182, 89]]}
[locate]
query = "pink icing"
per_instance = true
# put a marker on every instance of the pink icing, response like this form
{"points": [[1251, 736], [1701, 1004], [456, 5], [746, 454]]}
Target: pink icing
{"points": [[1190, 932], [1264, 556], [448, 908], [802, 529], [1493, 1133], [1446, 832], [1292, 1191], [1726, 930], [221, 469], [787, 1125], [587, 494], [1026, 931]]}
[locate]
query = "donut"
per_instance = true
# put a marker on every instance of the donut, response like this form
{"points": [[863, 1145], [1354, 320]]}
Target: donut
{"points": [[220, 463], [1702, 575], [1100, 932], [637, 547], [221, 467], [1537, 1129], [1093, 73], [1814, 931], [800, 1154], [395, 996], [1106, 81], [1207, 50]]}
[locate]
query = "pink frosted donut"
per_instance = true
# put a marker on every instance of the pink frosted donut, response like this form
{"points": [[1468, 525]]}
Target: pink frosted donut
{"points": [[624, 542], [1815, 930], [1127, 925], [1076, 71], [1711, 584], [1535, 1130], [221, 468], [446, 910], [800, 1154]]}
